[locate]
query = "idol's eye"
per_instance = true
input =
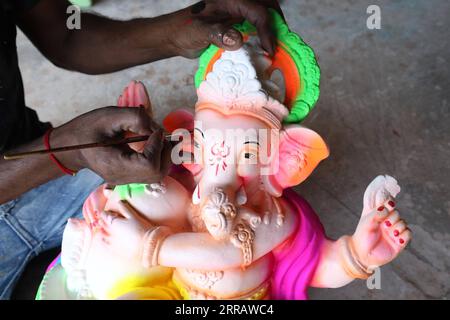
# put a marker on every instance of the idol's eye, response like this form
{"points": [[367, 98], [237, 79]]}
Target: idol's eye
{"points": [[249, 155], [196, 144]]}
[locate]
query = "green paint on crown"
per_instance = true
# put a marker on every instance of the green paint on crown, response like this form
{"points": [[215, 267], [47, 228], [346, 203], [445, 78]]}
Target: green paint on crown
{"points": [[126, 191], [82, 3]]}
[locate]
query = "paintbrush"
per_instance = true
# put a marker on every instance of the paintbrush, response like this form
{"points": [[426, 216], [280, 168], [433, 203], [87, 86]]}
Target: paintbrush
{"points": [[107, 143]]}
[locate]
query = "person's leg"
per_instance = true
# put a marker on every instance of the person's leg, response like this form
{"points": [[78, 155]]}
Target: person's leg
{"points": [[35, 221]]}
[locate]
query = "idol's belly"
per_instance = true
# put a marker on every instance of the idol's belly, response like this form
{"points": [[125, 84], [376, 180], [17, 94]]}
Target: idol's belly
{"points": [[227, 284]]}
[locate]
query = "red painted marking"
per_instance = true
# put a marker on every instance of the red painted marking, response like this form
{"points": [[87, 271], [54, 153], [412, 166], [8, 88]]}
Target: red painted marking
{"points": [[396, 233], [387, 223], [380, 208], [221, 152], [391, 203], [401, 241]]}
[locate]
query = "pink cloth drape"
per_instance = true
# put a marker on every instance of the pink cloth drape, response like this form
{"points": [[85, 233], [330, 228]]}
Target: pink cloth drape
{"points": [[296, 263]]}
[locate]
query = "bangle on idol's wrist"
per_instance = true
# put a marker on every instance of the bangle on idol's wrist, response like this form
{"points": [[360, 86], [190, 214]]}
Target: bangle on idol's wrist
{"points": [[153, 240], [350, 261]]}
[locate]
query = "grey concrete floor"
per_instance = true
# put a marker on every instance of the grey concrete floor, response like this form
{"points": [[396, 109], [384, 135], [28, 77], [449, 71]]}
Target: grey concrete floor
{"points": [[384, 108]]}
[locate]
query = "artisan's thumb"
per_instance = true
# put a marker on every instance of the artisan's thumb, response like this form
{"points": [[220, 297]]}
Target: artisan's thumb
{"points": [[225, 37]]}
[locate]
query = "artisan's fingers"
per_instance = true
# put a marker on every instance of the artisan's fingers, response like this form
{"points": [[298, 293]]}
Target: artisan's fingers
{"points": [[225, 37], [257, 14], [198, 7], [121, 120], [166, 158], [153, 148], [274, 5]]}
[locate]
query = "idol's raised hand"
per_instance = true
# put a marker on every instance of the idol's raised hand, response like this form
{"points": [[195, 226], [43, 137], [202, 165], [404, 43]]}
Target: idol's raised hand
{"points": [[381, 233]]}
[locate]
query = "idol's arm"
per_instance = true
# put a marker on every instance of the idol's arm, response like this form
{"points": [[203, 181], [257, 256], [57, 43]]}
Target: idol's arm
{"points": [[330, 272], [378, 239], [198, 251], [202, 251]]}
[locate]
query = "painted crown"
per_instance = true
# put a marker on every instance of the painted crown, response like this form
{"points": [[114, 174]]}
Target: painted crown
{"points": [[227, 81], [232, 87]]}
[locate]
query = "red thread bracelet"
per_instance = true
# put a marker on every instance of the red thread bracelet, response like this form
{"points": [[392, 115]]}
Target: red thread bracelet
{"points": [[52, 156]]}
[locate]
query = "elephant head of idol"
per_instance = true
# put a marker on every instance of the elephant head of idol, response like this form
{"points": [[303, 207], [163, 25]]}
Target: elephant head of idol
{"points": [[246, 135]]}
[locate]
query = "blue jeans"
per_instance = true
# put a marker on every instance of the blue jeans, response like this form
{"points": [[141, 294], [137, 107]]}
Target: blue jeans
{"points": [[35, 221]]}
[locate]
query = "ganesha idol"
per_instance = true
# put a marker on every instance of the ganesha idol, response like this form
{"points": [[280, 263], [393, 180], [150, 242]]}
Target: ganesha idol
{"points": [[225, 223]]}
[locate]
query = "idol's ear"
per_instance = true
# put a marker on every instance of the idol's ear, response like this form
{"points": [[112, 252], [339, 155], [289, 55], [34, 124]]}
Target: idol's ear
{"points": [[179, 119], [183, 119], [135, 95], [300, 151]]}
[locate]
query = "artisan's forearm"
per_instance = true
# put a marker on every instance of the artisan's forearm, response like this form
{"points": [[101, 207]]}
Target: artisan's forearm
{"points": [[103, 45], [19, 176]]}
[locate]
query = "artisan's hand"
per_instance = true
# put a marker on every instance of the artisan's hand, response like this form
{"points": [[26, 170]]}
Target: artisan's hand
{"points": [[118, 164], [211, 21], [123, 44]]}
